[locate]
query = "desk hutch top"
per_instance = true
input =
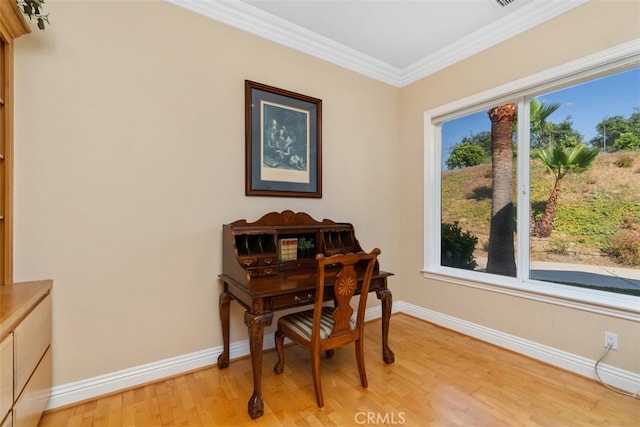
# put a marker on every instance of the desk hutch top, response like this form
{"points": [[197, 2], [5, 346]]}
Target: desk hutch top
{"points": [[263, 248]]}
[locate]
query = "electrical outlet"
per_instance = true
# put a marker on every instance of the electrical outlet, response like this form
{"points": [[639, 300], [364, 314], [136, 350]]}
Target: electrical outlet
{"points": [[611, 339]]}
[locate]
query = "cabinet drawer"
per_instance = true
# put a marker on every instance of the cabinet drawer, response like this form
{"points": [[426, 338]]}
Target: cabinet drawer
{"points": [[8, 422], [300, 298], [6, 375], [31, 404], [31, 339]]}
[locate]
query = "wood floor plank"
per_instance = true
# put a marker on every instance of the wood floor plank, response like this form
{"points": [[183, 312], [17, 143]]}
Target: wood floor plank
{"points": [[440, 378]]}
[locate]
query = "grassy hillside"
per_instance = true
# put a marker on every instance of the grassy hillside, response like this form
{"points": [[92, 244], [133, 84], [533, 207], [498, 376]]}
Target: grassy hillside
{"points": [[593, 208]]}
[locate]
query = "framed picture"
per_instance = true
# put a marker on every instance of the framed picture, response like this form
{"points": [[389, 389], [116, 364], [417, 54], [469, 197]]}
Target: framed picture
{"points": [[283, 142]]}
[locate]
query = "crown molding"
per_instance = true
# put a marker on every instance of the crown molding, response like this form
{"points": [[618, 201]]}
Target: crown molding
{"points": [[245, 17], [12, 21], [523, 19]]}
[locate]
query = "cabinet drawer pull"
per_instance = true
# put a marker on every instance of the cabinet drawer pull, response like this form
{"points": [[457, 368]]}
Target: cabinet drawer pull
{"points": [[307, 299]]}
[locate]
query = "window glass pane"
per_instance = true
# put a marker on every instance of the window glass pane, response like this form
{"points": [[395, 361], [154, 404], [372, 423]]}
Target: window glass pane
{"points": [[478, 185], [585, 184]]}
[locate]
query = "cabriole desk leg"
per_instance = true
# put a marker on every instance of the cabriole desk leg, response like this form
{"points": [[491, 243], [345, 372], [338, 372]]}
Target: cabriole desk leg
{"points": [[384, 295], [256, 324], [223, 359]]}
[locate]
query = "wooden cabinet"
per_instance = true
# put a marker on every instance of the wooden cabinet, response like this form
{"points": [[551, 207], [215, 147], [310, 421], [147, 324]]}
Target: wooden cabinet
{"points": [[6, 375], [25, 308], [25, 352]]}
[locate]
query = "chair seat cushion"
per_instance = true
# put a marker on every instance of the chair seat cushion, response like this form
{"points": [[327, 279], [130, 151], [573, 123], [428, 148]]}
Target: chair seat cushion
{"points": [[302, 322]]}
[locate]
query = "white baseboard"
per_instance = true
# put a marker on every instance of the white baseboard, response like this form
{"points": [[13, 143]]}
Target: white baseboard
{"points": [[620, 378], [90, 388], [68, 394]]}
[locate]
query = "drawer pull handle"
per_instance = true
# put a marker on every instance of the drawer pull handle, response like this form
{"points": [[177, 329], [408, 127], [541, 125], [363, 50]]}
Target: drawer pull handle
{"points": [[267, 261], [268, 271], [248, 263], [307, 299]]}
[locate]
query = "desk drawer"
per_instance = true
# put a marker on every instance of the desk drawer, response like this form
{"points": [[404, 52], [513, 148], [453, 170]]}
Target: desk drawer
{"points": [[248, 261], [293, 300], [268, 271], [268, 260], [301, 264], [263, 271]]}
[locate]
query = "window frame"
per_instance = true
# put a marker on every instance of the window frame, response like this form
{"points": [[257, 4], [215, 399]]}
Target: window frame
{"points": [[603, 63]]}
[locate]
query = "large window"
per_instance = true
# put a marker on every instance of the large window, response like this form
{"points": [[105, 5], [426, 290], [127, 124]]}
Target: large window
{"points": [[538, 183]]}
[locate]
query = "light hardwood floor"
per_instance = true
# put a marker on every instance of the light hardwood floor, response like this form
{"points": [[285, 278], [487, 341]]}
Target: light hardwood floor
{"points": [[440, 378]]}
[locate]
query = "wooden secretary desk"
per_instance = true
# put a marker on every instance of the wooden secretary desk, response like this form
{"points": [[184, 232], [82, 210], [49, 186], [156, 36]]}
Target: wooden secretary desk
{"points": [[270, 265]]}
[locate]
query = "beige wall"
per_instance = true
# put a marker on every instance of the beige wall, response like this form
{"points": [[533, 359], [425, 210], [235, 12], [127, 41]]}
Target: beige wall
{"points": [[130, 156], [583, 31]]}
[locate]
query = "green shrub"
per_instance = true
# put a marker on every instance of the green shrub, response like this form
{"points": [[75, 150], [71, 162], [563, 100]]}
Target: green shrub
{"points": [[466, 154], [624, 162], [627, 141], [457, 247], [625, 248], [559, 245]]}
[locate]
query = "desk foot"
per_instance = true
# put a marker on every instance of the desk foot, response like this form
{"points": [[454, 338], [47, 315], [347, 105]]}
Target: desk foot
{"points": [[388, 356], [384, 295], [255, 406], [223, 361]]}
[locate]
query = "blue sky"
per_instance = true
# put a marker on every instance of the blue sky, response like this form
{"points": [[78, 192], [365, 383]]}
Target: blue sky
{"points": [[586, 105]]}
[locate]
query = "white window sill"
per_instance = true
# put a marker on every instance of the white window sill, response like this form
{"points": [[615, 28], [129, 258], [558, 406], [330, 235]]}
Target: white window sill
{"points": [[594, 301]]}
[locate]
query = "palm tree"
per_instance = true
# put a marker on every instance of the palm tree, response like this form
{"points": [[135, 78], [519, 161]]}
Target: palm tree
{"points": [[560, 160], [539, 112], [501, 253]]}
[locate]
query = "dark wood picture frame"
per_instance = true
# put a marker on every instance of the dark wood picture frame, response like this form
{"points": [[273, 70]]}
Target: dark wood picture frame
{"points": [[283, 133]]}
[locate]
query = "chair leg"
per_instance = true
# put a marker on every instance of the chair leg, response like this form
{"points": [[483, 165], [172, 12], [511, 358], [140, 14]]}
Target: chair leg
{"points": [[279, 339], [315, 371], [360, 361]]}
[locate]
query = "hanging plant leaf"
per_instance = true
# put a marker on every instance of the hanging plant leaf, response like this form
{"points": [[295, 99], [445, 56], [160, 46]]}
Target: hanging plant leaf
{"points": [[33, 10]]}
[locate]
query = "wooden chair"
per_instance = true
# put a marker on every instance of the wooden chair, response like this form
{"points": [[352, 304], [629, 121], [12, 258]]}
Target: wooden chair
{"points": [[324, 328]]}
